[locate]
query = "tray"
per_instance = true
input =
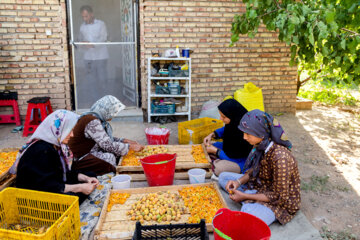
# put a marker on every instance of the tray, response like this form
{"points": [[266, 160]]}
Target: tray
{"points": [[6, 173], [7, 181], [184, 162], [116, 225]]}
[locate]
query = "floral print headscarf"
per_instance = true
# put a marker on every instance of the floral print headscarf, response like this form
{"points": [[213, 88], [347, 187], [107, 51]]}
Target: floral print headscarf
{"points": [[56, 127]]}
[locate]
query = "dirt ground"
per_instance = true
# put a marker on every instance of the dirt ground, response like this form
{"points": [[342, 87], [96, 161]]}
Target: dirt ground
{"points": [[326, 145]]}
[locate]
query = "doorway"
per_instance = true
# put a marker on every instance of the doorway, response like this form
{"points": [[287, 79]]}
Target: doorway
{"points": [[103, 46]]}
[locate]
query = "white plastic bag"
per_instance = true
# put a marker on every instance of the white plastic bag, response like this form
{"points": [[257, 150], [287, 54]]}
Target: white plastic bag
{"points": [[210, 109]]}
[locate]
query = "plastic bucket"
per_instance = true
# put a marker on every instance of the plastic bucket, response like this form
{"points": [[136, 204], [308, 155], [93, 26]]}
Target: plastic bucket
{"points": [[197, 175], [237, 225], [159, 169], [121, 181], [161, 137]]}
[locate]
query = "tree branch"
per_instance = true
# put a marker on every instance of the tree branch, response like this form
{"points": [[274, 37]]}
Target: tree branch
{"points": [[277, 4], [268, 13], [347, 30]]}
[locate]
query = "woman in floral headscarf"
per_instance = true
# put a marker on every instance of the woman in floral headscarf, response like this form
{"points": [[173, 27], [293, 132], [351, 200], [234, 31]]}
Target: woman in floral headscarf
{"points": [[42, 165], [93, 145], [270, 189]]}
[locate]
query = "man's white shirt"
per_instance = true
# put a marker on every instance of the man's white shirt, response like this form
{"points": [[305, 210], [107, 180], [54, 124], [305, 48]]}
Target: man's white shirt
{"points": [[94, 32]]}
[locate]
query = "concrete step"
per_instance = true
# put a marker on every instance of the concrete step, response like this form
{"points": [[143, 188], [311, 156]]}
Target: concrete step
{"points": [[126, 115], [130, 115]]}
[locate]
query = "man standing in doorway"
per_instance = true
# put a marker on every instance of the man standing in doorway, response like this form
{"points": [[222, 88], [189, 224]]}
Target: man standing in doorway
{"points": [[93, 30]]}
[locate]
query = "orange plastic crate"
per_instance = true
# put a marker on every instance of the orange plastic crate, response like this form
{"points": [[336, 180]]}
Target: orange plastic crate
{"points": [[201, 128], [58, 212]]}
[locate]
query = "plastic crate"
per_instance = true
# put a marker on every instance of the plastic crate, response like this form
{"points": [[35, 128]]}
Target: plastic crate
{"points": [[168, 90], [58, 212], [162, 90], [172, 231], [178, 73], [167, 109], [201, 128]]}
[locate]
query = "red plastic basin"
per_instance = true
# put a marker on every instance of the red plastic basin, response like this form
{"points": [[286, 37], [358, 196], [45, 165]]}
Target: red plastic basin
{"points": [[159, 169]]}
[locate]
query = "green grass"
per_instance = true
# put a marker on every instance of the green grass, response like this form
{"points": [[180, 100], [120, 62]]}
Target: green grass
{"points": [[343, 235], [329, 93], [316, 184]]}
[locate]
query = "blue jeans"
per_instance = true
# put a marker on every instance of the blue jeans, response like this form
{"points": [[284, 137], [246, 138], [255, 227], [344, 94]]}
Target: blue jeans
{"points": [[256, 209], [223, 156]]}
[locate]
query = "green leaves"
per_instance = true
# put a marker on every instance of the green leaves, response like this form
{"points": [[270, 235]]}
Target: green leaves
{"points": [[312, 29], [329, 16], [311, 37], [343, 44]]}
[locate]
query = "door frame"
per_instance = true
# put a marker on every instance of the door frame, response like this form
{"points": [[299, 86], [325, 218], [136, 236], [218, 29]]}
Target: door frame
{"points": [[136, 43]]}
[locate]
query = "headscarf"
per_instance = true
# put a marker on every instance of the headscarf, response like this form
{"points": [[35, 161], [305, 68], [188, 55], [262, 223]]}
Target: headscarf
{"points": [[234, 144], [263, 125], [105, 109], [54, 129]]}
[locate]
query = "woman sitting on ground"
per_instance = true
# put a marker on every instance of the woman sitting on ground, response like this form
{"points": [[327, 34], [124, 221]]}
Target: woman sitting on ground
{"points": [[270, 189], [232, 152], [93, 146], [42, 165]]}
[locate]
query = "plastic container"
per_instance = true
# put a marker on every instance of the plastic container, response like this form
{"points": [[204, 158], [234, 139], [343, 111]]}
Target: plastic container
{"points": [[201, 128], [250, 97], [121, 181], [237, 225], [196, 175], [194, 231], [159, 169], [157, 136], [178, 73], [168, 108], [58, 212]]}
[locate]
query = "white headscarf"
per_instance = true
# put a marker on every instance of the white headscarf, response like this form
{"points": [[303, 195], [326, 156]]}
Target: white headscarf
{"points": [[56, 127]]}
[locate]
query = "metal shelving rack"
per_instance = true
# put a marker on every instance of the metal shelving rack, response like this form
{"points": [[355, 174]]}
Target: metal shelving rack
{"points": [[186, 96]]}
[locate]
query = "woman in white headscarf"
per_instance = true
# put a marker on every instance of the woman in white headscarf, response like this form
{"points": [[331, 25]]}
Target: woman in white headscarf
{"points": [[41, 164], [93, 146]]}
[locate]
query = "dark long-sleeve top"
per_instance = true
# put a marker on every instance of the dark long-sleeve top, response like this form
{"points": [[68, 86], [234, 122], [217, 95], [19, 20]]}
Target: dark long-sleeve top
{"points": [[239, 143], [40, 169]]}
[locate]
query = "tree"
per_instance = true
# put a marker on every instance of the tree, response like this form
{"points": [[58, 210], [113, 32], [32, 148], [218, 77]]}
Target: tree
{"points": [[323, 35]]}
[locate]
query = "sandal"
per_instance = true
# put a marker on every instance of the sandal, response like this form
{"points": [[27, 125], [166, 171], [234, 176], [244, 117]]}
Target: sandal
{"points": [[17, 129]]}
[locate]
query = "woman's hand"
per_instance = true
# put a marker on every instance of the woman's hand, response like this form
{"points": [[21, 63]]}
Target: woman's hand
{"points": [[87, 179], [211, 149], [232, 185], [207, 139], [238, 196], [136, 147], [87, 188], [129, 141]]}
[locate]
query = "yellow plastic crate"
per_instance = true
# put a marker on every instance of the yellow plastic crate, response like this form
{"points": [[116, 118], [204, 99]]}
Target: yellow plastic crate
{"points": [[201, 128], [58, 212]]}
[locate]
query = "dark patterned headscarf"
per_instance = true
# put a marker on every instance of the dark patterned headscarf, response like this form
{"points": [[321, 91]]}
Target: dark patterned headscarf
{"points": [[263, 125]]}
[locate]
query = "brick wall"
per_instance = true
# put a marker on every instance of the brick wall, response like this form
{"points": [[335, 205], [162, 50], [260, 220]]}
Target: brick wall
{"points": [[32, 62], [217, 69]]}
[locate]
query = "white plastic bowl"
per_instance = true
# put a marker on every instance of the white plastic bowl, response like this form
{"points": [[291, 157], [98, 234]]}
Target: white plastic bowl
{"points": [[197, 175], [121, 181]]}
